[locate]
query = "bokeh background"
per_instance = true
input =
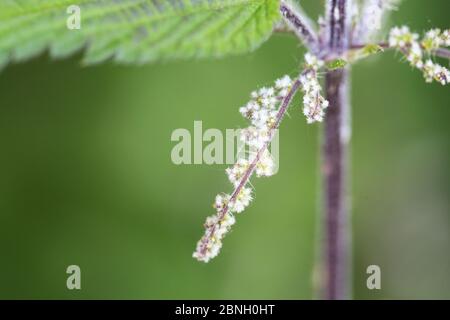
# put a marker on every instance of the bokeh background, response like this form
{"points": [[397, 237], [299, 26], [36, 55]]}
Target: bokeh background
{"points": [[87, 179]]}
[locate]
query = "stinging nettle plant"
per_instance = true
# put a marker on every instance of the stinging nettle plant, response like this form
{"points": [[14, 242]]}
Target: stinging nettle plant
{"points": [[142, 31]]}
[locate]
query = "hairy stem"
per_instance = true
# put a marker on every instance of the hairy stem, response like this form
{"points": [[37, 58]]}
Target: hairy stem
{"points": [[442, 53], [337, 21], [297, 20], [334, 171], [336, 136]]}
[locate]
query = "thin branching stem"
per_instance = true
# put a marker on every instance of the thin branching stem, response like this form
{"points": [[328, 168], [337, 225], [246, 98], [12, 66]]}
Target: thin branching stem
{"points": [[300, 24], [441, 52]]}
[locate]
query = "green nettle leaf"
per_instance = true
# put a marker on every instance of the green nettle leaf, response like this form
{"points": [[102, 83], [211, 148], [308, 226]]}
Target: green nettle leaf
{"points": [[135, 31]]}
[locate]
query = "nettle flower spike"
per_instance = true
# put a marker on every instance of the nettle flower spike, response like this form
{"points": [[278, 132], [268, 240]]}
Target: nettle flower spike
{"points": [[419, 52], [265, 111], [314, 104]]}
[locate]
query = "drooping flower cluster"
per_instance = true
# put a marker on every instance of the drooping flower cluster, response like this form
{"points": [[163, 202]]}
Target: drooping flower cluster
{"points": [[263, 112], [314, 104], [418, 52]]}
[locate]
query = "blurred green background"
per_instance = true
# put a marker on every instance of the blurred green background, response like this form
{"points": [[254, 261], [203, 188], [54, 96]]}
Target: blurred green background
{"points": [[86, 179]]}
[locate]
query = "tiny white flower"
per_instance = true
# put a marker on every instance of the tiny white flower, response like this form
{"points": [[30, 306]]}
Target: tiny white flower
{"points": [[433, 71], [265, 92], [214, 248], [264, 119], [220, 232], [269, 102], [265, 166], [415, 55], [228, 220], [445, 36], [238, 170], [249, 109], [270, 92], [221, 201], [401, 37], [432, 39], [242, 200], [313, 102], [428, 71], [254, 137], [283, 92], [283, 83], [313, 62], [441, 74], [211, 220]]}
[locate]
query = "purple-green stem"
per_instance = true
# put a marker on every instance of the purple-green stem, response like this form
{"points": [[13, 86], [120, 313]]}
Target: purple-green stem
{"points": [[336, 137], [336, 217]]}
